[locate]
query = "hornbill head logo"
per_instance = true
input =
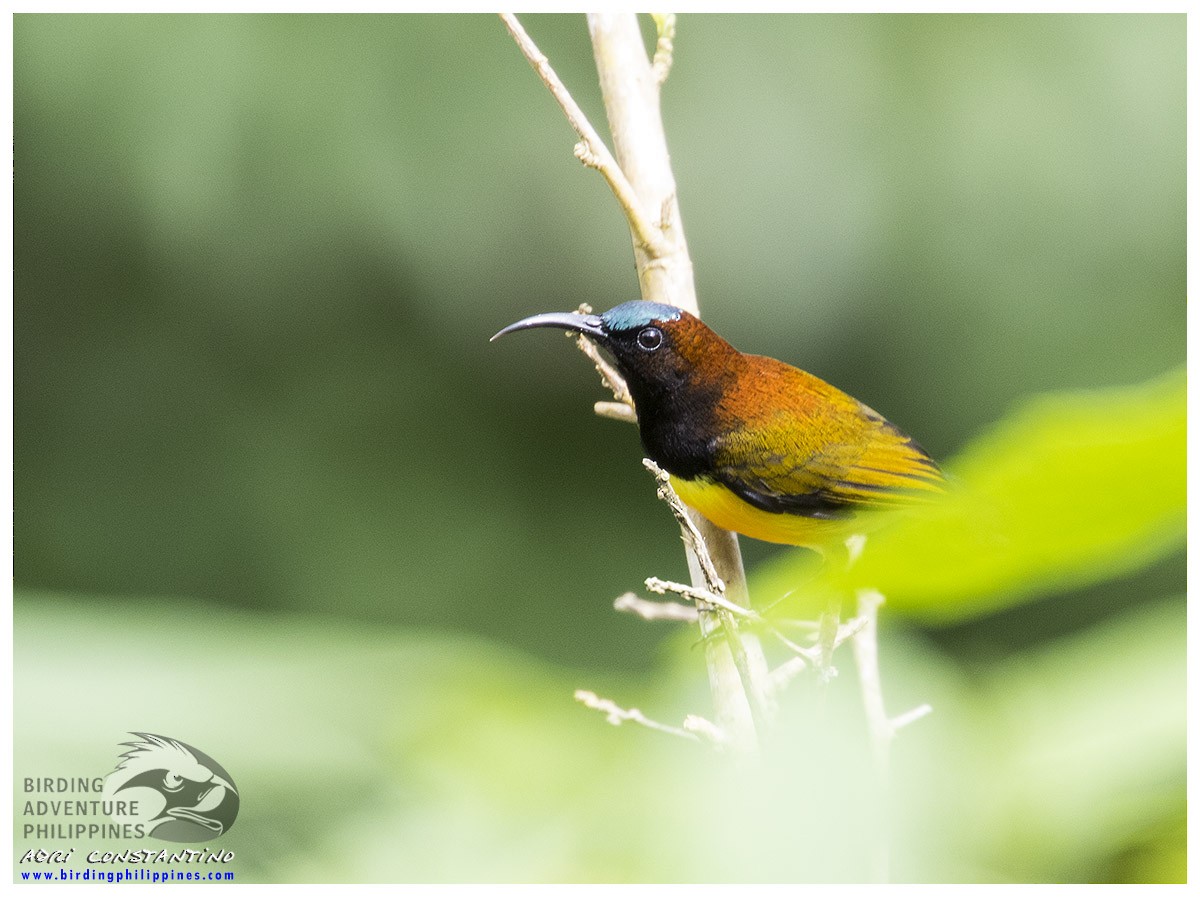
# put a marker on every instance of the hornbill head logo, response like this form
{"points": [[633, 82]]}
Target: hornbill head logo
{"points": [[173, 790]]}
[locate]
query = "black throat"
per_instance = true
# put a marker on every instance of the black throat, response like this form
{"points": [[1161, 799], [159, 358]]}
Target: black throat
{"points": [[677, 426]]}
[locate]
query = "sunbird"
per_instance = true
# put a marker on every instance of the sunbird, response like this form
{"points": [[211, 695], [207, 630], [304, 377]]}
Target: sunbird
{"points": [[754, 445]]}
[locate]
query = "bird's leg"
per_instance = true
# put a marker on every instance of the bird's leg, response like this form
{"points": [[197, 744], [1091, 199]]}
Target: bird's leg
{"points": [[827, 635], [828, 632], [828, 625], [809, 575]]}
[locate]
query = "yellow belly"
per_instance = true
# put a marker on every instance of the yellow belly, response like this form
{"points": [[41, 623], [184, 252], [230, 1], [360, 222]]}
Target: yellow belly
{"points": [[727, 510]]}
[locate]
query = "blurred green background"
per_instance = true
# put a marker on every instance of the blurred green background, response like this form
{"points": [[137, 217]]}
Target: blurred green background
{"points": [[277, 496]]}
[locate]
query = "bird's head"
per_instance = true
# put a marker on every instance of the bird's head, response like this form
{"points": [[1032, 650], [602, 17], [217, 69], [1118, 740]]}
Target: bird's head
{"points": [[658, 348]]}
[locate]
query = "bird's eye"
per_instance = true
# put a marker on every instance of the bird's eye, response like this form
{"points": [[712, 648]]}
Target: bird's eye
{"points": [[172, 782], [649, 338]]}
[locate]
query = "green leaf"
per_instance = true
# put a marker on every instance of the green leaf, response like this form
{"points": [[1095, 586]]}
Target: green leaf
{"points": [[1069, 490]]}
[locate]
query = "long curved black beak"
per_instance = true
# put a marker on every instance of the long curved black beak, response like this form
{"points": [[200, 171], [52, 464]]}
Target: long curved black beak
{"points": [[592, 326]]}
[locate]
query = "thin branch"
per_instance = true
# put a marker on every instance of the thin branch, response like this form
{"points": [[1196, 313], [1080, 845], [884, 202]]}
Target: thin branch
{"points": [[756, 694], [616, 716], [805, 657], [656, 610], [905, 719], [691, 534], [813, 654], [706, 730], [622, 412], [700, 596], [882, 729], [592, 151], [632, 105], [866, 658], [830, 625]]}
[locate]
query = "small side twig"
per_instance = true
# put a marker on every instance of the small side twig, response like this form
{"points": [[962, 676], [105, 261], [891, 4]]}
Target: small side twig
{"points": [[592, 150], [617, 716], [622, 412], [814, 653], [700, 596], [918, 712], [705, 729], [655, 610], [805, 657], [830, 625]]}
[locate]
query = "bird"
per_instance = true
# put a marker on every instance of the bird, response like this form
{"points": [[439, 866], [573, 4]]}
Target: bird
{"points": [[753, 444]]}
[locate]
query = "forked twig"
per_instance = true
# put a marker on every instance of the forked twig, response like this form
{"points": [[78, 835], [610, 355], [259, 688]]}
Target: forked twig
{"points": [[700, 597], [591, 150], [882, 729], [617, 716]]}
